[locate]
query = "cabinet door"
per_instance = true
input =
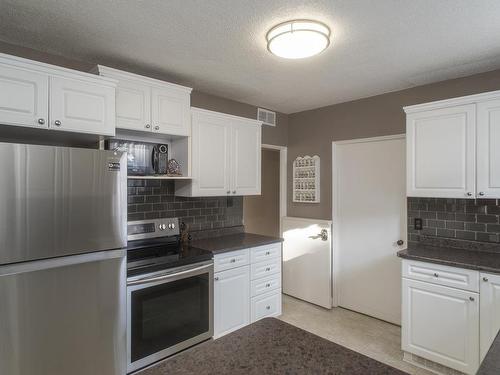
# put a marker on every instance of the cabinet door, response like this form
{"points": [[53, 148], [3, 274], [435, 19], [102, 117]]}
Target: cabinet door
{"points": [[441, 324], [245, 159], [490, 310], [211, 148], [441, 153], [24, 97], [488, 149], [231, 300], [83, 107], [133, 106], [170, 112]]}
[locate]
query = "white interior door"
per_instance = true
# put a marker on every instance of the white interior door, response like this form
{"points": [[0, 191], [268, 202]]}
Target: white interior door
{"points": [[307, 260], [369, 217]]}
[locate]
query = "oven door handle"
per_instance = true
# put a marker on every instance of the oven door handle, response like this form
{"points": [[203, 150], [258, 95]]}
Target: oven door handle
{"points": [[148, 280]]}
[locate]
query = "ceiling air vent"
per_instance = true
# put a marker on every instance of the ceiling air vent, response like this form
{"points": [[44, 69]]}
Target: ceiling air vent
{"points": [[267, 117]]}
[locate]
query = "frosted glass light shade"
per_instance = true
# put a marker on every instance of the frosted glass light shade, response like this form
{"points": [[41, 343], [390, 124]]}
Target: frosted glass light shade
{"points": [[298, 39]]}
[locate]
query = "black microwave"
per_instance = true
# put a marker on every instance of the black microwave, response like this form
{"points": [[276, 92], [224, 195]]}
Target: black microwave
{"points": [[143, 159]]}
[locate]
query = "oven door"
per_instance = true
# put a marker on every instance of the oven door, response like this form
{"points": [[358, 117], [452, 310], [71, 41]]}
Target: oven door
{"points": [[168, 312]]}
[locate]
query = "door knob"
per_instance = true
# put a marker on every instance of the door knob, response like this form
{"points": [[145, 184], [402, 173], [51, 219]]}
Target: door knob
{"points": [[400, 242], [324, 235]]}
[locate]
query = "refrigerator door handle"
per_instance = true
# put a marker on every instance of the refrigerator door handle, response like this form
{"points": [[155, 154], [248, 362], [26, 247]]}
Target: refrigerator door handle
{"points": [[44, 264]]}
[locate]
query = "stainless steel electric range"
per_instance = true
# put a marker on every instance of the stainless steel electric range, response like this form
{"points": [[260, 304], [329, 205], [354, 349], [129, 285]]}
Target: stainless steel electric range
{"points": [[169, 293]]}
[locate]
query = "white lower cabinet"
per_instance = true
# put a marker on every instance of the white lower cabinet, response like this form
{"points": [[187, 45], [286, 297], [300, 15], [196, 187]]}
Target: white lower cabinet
{"points": [[242, 295], [231, 300], [441, 324], [490, 310], [450, 315]]}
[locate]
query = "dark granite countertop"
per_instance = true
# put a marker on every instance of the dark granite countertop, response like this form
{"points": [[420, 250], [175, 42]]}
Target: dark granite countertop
{"points": [[491, 363], [233, 242], [471, 259], [270, 346]]}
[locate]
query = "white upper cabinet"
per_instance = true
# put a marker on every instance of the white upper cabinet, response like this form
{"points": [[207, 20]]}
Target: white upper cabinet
{"points": [[488, 149], [441, 149], [210, 155], [490, 310], [82, 107], [453, 147], [246, 154], [170, 111], [226, 152], [39, 95], [146, 104], [23, 97]]}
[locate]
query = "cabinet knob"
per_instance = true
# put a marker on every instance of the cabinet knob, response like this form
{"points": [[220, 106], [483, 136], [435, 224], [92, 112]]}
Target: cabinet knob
{"points": [[41, 121], [472, 299], [469, 194], [57, 123], [233, 260], [268, 253], [157, 127], [234, 191], [228, 192], [485, 279], [268, 269], [436, 275], [400, 242], [268, 285], [147, 126], [481, 194], [216, 278], [268, 307]]}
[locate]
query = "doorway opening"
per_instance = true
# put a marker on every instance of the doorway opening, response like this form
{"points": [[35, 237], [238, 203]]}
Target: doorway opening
{"points": [[262, 214]]}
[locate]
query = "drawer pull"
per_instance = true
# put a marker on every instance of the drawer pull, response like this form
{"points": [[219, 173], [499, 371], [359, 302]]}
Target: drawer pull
{"points": [[471, 299], [216, 278], [233, 260], [268, 269], [436, 275], [268, 307], [485, 279], [268, 253], [268, 285]]}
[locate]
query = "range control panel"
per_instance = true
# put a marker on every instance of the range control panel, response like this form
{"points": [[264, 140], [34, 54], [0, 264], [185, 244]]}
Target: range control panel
{"points": [[142, 229]]}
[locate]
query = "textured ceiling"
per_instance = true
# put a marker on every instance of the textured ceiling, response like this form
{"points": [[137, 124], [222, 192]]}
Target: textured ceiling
{"points": [[218, 46]]}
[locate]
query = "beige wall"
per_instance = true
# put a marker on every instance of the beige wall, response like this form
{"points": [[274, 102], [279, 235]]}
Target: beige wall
{"points": [[261, 213], [277, 135], [312, 132]]}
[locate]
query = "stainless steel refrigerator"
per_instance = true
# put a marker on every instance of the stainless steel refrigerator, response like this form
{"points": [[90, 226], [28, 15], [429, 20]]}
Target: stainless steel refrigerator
{"points": [[62, 263]]}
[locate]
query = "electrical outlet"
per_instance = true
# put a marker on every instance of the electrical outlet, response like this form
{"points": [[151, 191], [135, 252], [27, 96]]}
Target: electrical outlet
{"points": [[418, 224]]}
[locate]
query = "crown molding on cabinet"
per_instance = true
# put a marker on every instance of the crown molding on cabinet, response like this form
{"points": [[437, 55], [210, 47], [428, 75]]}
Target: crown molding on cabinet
{"points": [[453, 102]]}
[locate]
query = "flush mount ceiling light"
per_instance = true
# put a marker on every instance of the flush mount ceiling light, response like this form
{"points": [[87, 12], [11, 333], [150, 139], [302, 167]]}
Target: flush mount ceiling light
{"points": [[298, 39]]}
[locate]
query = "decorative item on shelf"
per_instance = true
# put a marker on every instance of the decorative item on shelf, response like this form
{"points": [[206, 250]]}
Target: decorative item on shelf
{"points": [[174, 169], [306, 173]]}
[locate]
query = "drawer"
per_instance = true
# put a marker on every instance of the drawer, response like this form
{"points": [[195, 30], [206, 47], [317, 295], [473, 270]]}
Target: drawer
{"points": [[231, 259], [262, 253], [266, 268], [265, 284], [442, 275], [266, 305]]}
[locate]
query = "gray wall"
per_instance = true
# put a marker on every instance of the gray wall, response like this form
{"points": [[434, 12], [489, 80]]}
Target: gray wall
{"points": [[312, 132], [277, 135]]}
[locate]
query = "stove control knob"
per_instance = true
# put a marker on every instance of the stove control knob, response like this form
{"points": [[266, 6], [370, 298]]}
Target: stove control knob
{"points": [[162, 227], [171, 226]]}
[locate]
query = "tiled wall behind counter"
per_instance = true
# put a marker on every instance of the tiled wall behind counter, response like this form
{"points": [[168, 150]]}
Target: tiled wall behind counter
{"points": [[151, 199], [458, 219]]}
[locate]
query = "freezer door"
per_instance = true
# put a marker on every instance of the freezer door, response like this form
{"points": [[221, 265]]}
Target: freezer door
{"points": [[57, 201], [64, 316]]}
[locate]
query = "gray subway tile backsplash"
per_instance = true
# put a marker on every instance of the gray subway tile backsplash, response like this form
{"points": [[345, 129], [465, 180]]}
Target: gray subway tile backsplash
{"points": [[457, 220], [152, 199]]}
